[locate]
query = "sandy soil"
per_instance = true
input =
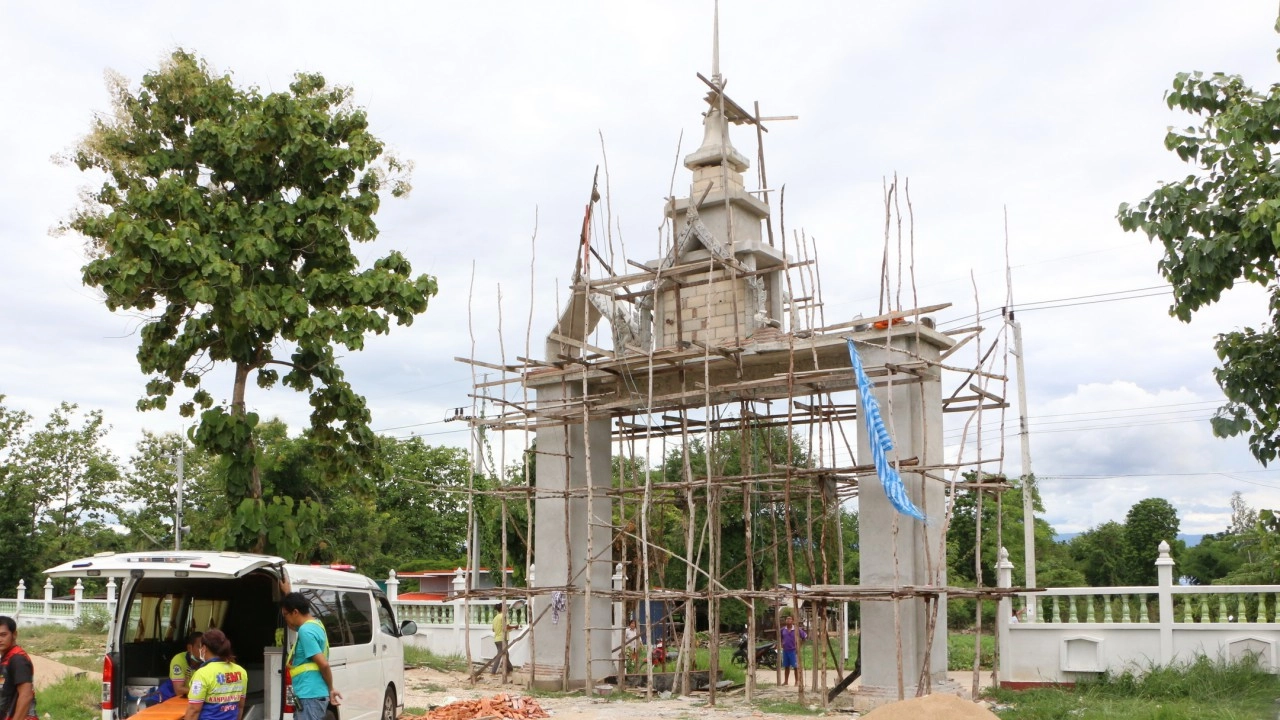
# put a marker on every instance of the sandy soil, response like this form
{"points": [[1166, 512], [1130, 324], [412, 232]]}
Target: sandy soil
{"points": [[430, 688]]}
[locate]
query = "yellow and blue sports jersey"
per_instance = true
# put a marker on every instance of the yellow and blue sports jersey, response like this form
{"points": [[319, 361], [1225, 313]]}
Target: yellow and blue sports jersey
{"points": [[181, 667], [221, 686]]}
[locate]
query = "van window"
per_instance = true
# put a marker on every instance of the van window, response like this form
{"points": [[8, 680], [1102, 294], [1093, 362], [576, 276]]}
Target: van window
{"points": [[386, 618], [324, 607], [357, 612], [154, 616], [205, 613]]}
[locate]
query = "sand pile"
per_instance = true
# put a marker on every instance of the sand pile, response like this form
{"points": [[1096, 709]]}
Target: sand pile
{"points": [[932, 707]]}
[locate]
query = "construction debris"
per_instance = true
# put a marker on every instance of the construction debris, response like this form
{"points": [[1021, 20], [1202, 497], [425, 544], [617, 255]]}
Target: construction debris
{"points": [[512, 707]]}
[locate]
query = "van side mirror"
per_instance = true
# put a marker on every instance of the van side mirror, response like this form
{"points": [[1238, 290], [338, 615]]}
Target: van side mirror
{"points": [[408, 627]]}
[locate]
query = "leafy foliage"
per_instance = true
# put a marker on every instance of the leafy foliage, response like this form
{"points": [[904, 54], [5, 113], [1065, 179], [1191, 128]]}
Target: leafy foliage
{"points": [[227, 216], [1220, 225], [1148, 523], [1098, 554]]}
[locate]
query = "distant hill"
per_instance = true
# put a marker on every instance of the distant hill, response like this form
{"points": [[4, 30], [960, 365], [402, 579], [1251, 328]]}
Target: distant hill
{"points": [[1190, 539]]}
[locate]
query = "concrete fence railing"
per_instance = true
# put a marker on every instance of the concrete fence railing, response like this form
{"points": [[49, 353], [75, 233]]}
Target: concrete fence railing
{"points": [[1067, 634]]}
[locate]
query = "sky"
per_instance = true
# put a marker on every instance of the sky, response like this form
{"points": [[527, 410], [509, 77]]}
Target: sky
{"points": [[1025, 121]]}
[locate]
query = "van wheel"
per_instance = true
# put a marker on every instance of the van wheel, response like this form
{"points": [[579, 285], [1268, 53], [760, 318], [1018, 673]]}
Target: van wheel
{"points": [[388, 705]]}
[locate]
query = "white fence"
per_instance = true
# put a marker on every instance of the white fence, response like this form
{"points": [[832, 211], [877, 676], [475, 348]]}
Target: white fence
{"points": [[1066, 634], [67, 613]]}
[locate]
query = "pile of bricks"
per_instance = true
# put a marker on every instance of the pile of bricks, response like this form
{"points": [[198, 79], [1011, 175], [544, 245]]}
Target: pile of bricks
{"points": [[511, 707]]}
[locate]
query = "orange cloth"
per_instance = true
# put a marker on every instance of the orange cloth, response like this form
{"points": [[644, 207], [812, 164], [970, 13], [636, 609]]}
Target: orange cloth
{"points": [[171, 709]]}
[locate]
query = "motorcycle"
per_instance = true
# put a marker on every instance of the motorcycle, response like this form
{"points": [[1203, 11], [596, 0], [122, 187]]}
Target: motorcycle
{"points": [[766, 654]]}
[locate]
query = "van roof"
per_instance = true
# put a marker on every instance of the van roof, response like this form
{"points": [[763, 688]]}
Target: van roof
{"points": [[202, 564]]}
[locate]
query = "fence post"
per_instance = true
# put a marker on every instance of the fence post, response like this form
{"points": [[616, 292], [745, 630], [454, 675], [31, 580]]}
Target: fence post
{"points": [[619, 615], [1164, 572], [1004, 609], [22, 595], [393, 587], [78, 596], [48, 597], [460, 607], [111, 606]]}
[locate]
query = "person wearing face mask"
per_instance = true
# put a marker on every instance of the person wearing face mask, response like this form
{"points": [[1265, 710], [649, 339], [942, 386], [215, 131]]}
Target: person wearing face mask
{"points": [[219, 686], [180, 669]]}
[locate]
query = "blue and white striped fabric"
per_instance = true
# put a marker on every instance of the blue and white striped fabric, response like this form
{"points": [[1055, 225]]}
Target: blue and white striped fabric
{"points": [[880, 442]]}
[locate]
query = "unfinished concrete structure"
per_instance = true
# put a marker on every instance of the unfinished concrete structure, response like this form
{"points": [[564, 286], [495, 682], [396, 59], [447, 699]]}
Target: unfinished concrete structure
{"points": [[722, 337]]}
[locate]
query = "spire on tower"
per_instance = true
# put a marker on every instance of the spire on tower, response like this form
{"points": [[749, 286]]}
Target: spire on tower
{"points": [[715, 48]]}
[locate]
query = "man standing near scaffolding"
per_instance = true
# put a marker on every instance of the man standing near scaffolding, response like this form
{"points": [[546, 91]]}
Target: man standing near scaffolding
{"points": [[791, 648]]}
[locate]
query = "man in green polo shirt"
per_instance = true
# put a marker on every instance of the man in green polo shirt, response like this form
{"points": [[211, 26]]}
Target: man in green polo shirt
{"points": [[308, 661]]}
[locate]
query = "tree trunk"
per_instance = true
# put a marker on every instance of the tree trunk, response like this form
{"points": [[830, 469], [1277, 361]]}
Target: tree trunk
{"points": [[255, 476]]}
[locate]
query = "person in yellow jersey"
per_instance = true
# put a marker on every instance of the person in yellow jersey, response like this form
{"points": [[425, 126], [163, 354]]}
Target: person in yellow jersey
{"points": [[308, 661], [219, 686], [180, 669]]}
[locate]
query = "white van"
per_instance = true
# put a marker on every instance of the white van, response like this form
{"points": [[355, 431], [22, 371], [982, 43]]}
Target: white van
{"points": [[165, 595]]}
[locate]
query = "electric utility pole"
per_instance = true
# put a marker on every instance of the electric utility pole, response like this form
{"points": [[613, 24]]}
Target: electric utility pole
{"points": [[1028, 484], [177, 514]]}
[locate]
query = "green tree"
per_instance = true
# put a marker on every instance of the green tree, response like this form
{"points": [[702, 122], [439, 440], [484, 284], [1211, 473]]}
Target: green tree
{"points": [[425, 509], [962, 536], [71, 479], [1147, 524], [1215, 556], [1219, 225], [227, 217], [150, 494], [1261, 547], [1099, 555], [18, 549]]}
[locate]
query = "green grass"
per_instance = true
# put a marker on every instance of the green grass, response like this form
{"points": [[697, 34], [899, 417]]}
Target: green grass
{"points": [[45, 639], [1203, 690], [70, 699], [787, 707], [415, 656], [77, 648], [960, 651]]}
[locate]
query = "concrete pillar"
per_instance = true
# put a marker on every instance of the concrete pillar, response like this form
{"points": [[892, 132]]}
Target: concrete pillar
{"points": [[562, 556], [1004, 610], [458, 586], [393, 587], [77, 593], [111, 606], [1164, 574], [22, 595], [48, 596], [914, 555]]}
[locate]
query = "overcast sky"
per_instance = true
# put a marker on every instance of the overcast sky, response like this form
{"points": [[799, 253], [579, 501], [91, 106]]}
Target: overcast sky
{"points": [[1053, 111]]}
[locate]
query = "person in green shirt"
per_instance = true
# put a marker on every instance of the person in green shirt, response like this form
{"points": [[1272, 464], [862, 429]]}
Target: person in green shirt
{"points": [[501, 629]]}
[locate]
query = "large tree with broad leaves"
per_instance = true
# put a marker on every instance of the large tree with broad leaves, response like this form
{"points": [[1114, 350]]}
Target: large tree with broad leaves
{"points": [[1221, 225], [227, 217]]}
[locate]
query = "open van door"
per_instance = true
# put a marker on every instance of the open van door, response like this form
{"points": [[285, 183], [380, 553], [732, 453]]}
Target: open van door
{"points": [[169, 563]]}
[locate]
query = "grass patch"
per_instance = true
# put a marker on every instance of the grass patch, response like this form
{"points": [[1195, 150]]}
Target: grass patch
{"points": [[1202, 690], [415, 656], [960, 651], [416, 711], [45, 639], [71, 699], [787, 707]]}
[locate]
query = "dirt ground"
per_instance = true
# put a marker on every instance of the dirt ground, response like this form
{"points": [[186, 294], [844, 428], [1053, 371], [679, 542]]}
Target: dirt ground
{"points": [[431, 688], [50, 671]]}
